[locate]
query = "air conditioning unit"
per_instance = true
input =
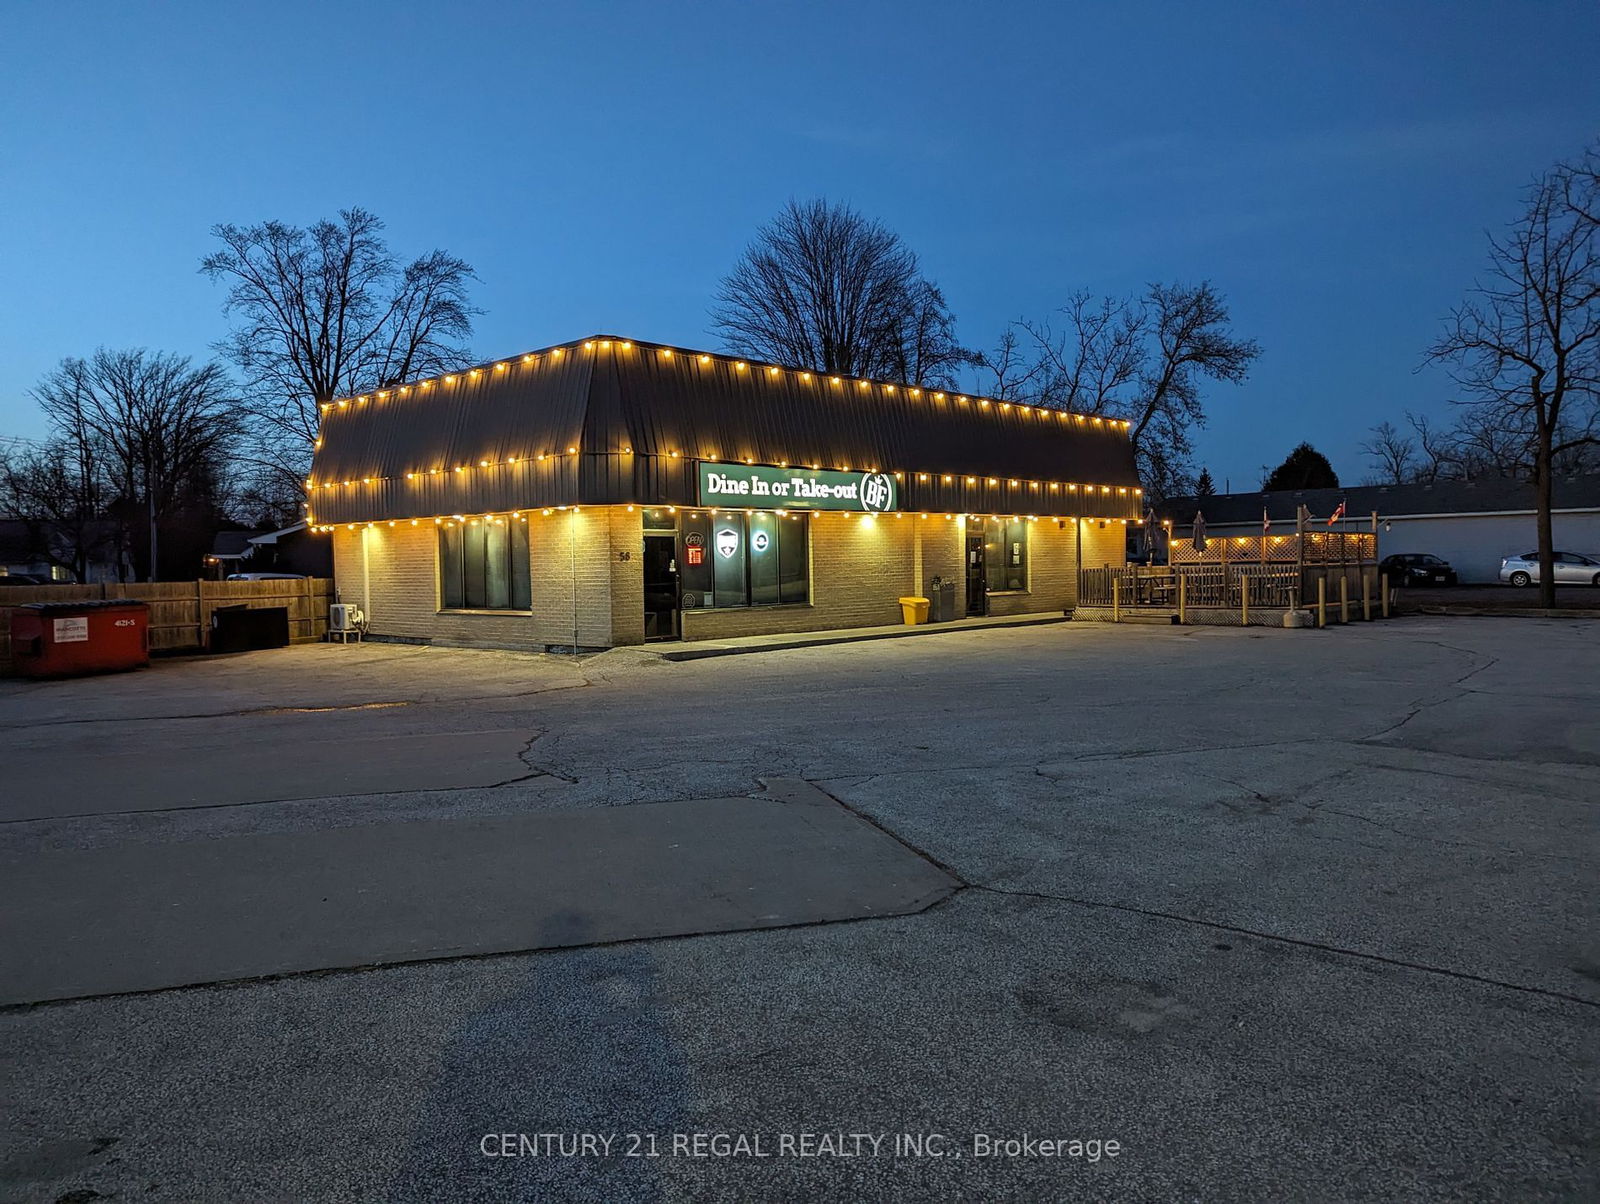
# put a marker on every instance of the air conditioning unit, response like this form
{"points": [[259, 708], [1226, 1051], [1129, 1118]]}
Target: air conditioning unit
{"points": [[344, 621]]}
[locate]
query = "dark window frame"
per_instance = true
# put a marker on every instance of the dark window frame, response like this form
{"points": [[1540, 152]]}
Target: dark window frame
{"points": [[793, 589], [467, 583]]}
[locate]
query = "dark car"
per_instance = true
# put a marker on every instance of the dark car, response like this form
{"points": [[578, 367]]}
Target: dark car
{"points": [[1417, 568]]}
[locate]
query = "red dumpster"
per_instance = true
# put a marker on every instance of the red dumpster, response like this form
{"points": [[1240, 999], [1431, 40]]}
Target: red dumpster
{"points": [[58, 639]]}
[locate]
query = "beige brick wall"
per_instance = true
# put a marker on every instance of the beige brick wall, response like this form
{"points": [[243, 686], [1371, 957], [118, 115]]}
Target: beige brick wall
{"points": [[393, 573], [587, 569]]}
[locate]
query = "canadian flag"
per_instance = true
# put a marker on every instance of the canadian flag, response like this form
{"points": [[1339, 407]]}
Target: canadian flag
{"points": [[1337, 514]]}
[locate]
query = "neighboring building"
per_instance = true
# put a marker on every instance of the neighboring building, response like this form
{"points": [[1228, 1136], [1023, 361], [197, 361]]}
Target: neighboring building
{"points": [[35, 549], [291, 549], [607, 491], [1472, 524]]}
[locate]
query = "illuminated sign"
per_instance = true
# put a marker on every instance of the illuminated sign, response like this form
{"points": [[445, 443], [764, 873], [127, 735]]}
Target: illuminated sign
{"points": [[763, 487]]}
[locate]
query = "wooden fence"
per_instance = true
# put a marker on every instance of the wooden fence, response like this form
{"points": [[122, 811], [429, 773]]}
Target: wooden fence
{"points": [[180, 611]]}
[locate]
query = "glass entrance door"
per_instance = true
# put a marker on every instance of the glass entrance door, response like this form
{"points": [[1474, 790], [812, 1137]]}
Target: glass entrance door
{"points": [[977, 574], [661, 588]]}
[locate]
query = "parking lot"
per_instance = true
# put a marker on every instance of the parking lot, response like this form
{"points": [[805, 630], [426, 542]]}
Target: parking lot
{"points": [[1282, 914]]}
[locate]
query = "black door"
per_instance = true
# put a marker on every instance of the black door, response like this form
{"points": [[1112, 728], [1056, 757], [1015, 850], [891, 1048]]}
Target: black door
{"points": [[977, 575], [660, 587]]}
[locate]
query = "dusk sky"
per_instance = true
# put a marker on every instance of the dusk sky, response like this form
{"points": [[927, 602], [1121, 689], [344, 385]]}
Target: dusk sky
{"points": [[1331, 168]]}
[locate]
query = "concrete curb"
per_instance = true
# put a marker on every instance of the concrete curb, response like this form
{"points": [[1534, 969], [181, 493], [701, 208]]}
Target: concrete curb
{"points": [[822, 639], [1502, 612]]}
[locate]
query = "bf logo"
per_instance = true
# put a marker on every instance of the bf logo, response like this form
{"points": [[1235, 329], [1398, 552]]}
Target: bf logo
{"points": [[877, 491]]}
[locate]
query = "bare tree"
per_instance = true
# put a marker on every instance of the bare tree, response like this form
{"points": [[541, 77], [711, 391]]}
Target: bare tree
{"points": [[823, 287], [1142, 359], [1393, 454], [57, 491], [328, 312], [1525, 346], [160, 429], [924, 347]]}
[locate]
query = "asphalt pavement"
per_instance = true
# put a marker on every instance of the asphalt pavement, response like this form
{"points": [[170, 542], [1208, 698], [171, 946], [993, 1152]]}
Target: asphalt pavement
{"points": [[1054, 913]]}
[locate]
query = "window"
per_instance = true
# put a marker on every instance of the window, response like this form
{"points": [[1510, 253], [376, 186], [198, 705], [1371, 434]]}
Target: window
{"points": [[732, 559], [1006, 541], [483, 565]]}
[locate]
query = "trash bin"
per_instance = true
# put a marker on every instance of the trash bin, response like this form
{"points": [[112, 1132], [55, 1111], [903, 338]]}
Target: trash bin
{"points": [[914, 611], [60, 639], [942, 599]]}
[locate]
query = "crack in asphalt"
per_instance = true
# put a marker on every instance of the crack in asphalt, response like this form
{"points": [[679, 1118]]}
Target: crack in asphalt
{"points": [[1301, 942]]}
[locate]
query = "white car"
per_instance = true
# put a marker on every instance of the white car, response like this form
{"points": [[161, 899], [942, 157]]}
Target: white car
{"points": [[1570, 569]]}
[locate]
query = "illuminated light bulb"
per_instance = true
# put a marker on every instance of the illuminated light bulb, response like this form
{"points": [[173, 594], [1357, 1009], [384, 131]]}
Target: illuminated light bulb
{"points": [[499, 367], [772, 372], [992, 481], [948, 479], [864, 384], [922, 476], [626, 346], [449, 380], [343, 404], [674, 455], [984, 403], [739, 365], [588, 346], [410, 475], [404, 389], [605, 344], [960, 398], [666, 353], [557, 352], [474, 372], [705, 359], [427, 384], [972, 480], [546, 511], [938, 396], [1014, 484], [413, 522], [527, 359], [836, 380], [805, 376], [511, 460], [917, 393], [541, 457], [460, 468], [391, 522], [888, 388], [572, 451], [383, 396], [483, 464]]}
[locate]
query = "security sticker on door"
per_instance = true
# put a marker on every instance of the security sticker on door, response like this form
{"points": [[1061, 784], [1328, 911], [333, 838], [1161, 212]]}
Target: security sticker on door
{"points": [[71, 631]]}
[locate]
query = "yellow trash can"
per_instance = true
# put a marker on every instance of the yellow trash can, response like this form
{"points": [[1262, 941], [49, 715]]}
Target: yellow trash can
{"points": [[914, 610]]}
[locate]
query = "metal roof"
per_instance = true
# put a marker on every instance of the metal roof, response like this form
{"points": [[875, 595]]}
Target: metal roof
{"points": [[611, 421], [1490, 495]]}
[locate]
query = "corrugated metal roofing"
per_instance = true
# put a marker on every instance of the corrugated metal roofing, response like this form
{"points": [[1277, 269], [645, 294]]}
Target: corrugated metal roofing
{"points": [[1486, 496], [608, 421]]}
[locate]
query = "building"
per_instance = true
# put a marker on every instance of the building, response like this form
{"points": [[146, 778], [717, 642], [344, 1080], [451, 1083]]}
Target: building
{"points": [[1471, 524], [291, 549], [608, 491], [39, 549]]}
